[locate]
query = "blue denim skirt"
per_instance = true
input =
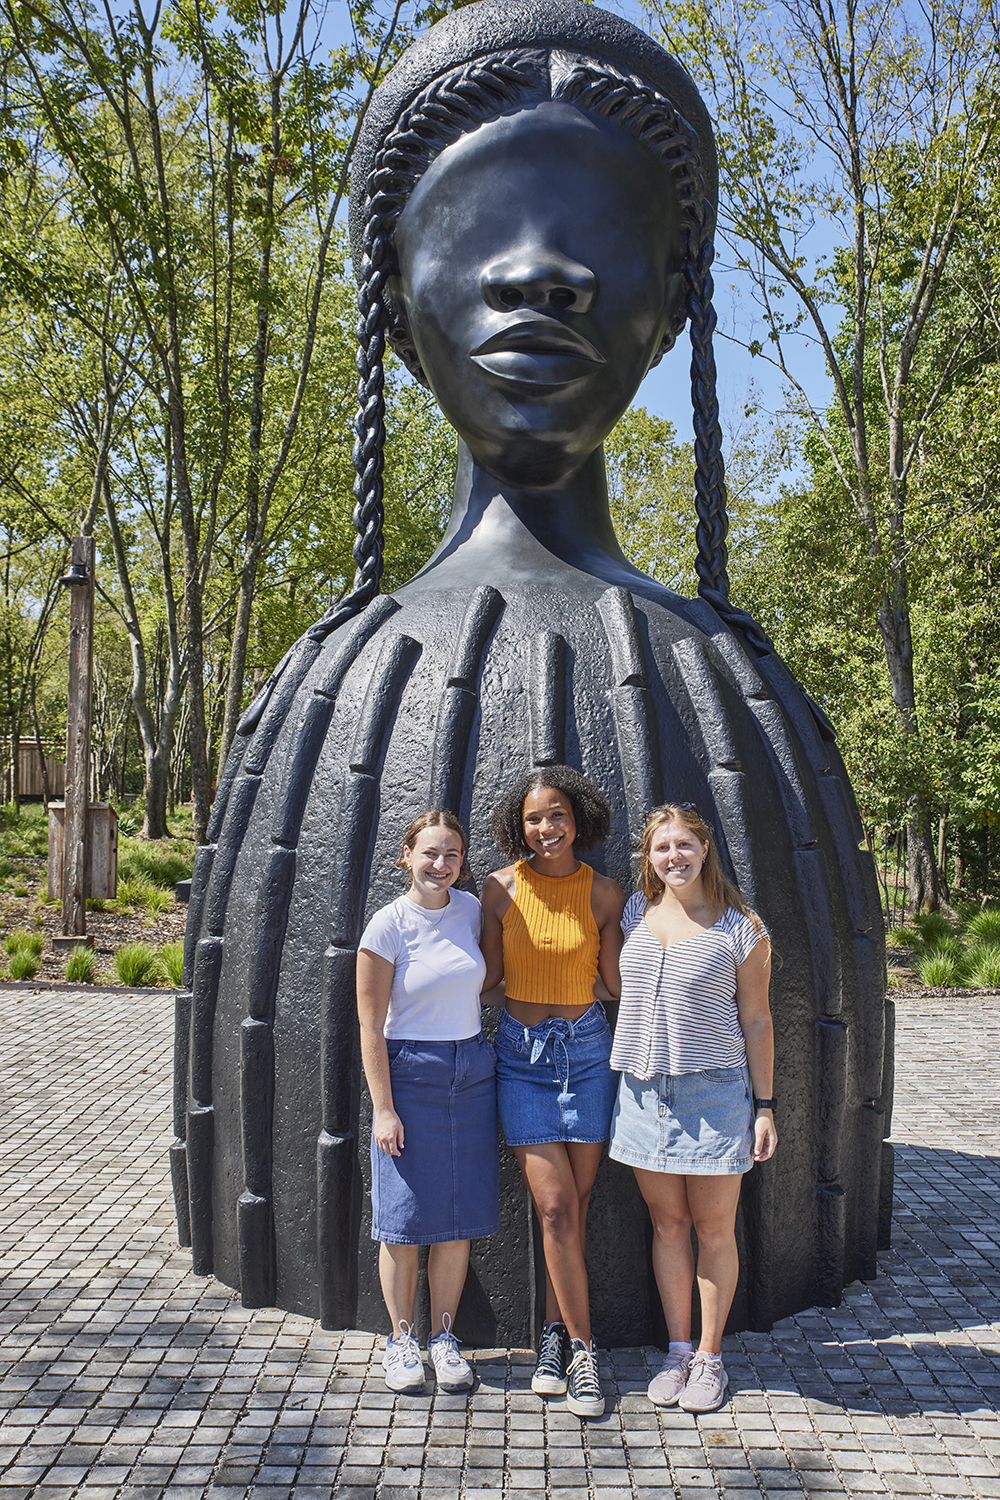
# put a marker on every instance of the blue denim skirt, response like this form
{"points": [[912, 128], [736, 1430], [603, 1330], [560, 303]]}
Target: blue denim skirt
{"points": [[690, 1123], [445, 1183], [554, 1081]]}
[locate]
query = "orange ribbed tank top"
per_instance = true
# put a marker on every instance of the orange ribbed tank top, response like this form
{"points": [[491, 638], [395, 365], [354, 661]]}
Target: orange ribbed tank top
{"points": [[550, 938]]}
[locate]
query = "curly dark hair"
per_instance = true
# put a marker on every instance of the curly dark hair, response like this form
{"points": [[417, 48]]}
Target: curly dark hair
{"points": [[591, 809]]}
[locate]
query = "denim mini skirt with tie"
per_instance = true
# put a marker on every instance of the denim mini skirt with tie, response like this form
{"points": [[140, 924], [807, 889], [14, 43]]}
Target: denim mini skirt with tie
{"points": [[554, 1080]]}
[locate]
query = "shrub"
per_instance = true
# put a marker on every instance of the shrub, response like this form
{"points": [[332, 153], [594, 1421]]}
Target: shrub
{"points": [[933, 925], [985, 925], [157, 900], [136, 963], [80, 965], [938, 970], [902, 937], [20, 890], [20, 941], [983, 967], [23, 965], [7, 867], [949, 947], [172, 959], [132, 892], [154, 867]]}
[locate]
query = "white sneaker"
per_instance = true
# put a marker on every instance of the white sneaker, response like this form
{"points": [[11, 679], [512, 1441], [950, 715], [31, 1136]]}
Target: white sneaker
{"points": [[667, 1385], [584, 1396], [404, 1369], [707, 1384], [453, 1373]]}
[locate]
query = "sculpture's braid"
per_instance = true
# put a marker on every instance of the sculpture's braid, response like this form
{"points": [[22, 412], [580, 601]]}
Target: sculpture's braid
{"points": [[709, 475]]}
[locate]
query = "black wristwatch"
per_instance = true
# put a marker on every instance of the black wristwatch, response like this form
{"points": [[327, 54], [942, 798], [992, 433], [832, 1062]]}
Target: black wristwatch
{"points": [[764, 1103]]}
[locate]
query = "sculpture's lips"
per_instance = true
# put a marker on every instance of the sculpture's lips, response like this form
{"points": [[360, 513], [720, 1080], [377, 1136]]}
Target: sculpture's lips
{"points": [[538, 352]]}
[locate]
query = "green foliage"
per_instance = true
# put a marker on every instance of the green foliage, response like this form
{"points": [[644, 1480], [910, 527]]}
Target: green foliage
{"points": [[902, 937], [172, 959], [133, 892], [81, 965], [145, 863], [983, 972], [137, 964], [22, 941], [157, 900], [933, 926], [985, 925], [23, 965], [938, 970]]}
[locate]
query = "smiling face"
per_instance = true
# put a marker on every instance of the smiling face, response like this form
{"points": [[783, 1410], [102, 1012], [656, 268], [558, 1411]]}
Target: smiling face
{"points": [[677, 855], [539, 270], [549, 826], [434, 862]]}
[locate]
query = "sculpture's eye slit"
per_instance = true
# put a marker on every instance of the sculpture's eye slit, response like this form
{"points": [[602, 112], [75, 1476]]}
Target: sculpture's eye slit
{"points": [[562, 297], [510, 297]]}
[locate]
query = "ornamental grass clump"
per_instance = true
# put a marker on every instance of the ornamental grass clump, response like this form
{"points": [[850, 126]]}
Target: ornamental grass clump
{"points": [[938, 970], [932, 925], [984, 927], [80, 965], [136, 963], [983, 966], [21, 941], [902, 937], [23, 964], [172, 959]]}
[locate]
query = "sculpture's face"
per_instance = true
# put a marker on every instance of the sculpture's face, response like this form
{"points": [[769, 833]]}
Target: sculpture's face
{"points": [[539, 270]]}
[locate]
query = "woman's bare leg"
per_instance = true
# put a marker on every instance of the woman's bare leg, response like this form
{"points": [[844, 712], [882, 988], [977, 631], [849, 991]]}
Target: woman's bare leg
{"points": [[447, 1267], [397, 1271], [713, 1203], [666, 1198], [560, 1178]]}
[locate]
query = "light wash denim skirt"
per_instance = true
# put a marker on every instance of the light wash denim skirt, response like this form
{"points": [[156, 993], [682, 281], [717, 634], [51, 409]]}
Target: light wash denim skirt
{"points": [[689, 1123], [554, 1080], [445, 1183]]}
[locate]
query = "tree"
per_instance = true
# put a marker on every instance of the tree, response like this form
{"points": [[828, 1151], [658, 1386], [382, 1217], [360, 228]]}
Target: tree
{"points": [[879, 125]]}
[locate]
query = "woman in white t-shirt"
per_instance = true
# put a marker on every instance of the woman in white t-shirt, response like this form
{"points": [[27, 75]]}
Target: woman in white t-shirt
{"points": [[695, 1048], [430, 1073]]}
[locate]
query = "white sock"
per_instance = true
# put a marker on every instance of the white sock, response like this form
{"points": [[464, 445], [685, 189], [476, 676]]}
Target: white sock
{"points": [[677, 1346]]}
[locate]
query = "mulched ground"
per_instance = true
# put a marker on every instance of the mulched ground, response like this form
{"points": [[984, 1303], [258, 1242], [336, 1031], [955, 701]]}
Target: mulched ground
{"points": [[109, 930]]}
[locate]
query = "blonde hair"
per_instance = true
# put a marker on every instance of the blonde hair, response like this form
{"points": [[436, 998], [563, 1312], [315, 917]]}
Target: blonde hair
{"points": [[720, 891], [435, 817]]}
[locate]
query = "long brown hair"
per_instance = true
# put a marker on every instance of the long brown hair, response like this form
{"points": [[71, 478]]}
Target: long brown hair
{"points": [[720, 892], [435, 817]]}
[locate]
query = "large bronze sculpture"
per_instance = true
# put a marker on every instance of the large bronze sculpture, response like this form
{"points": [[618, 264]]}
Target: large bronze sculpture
{"points": [[532, 220]]}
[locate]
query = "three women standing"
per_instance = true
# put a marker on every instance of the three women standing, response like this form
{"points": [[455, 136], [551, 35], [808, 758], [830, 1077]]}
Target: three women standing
{"points": [[695, 1047]]}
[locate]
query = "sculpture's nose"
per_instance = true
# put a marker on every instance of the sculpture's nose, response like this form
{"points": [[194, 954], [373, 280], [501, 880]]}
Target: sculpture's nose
{"points": [[538, 278]]}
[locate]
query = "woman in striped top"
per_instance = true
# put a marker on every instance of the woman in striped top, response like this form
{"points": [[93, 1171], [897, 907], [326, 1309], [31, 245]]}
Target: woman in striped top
{"points": [[695, 1047]]}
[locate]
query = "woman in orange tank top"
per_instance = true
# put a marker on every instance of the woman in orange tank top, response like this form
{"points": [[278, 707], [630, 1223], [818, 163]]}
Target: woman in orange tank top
{"points": [[551, 932]]}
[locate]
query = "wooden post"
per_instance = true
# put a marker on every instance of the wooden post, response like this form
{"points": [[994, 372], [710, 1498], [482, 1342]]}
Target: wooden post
{"points": [[81, 680]]}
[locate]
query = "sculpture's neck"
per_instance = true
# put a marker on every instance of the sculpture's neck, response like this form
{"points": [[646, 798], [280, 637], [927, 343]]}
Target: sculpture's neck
{"points": [[501, 534]]}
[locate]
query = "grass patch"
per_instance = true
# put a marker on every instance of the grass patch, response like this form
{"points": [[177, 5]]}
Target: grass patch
{"points": [[24, 835], [932, 925], [137, 964], [172, 959], [983, 966], [23, 965], [132, 893], [984, 926], [157, 900], [80, 965], [150, 864], [902, 937], [938, 970], [24, 942]]}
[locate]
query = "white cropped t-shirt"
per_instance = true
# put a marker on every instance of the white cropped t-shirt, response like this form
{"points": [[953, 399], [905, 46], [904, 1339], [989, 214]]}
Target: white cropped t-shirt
{"points": [[439, 969], [678, 1008]]}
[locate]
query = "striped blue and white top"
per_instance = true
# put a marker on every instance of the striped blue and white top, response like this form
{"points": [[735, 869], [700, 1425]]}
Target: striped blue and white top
{"points": [[678, 1008]]}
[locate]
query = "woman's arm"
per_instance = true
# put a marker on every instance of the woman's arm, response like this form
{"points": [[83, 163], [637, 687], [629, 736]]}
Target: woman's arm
{"points": [[753, 978], [607, 903], [498, 889], [374, 984]]}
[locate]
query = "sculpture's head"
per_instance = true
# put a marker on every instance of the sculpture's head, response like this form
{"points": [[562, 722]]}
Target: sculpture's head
{"points": [[530, 215], [532, 211]]}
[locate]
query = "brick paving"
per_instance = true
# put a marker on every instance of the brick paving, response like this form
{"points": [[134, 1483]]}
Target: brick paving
{"points": [[125, 1377]]}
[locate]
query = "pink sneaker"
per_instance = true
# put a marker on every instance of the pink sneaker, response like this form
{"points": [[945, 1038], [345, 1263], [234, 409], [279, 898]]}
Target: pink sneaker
{"points": [[665, 1387]]}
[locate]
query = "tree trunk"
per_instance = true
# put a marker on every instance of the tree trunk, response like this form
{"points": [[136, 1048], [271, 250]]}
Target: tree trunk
{"points": [[42, 766], [925, 892], [958, 863], [154, 818]]}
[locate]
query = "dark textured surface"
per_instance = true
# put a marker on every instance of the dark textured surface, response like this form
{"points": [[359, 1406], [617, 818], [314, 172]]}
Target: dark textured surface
{"points": [[649, 704], [476, 30]]}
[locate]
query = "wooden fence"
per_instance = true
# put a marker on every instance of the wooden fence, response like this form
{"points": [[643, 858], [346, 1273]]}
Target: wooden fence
{"points": [[31, 771]]}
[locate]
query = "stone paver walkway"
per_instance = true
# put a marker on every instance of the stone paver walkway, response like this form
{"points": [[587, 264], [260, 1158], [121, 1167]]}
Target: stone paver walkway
{"points": [[125, 1377]]}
